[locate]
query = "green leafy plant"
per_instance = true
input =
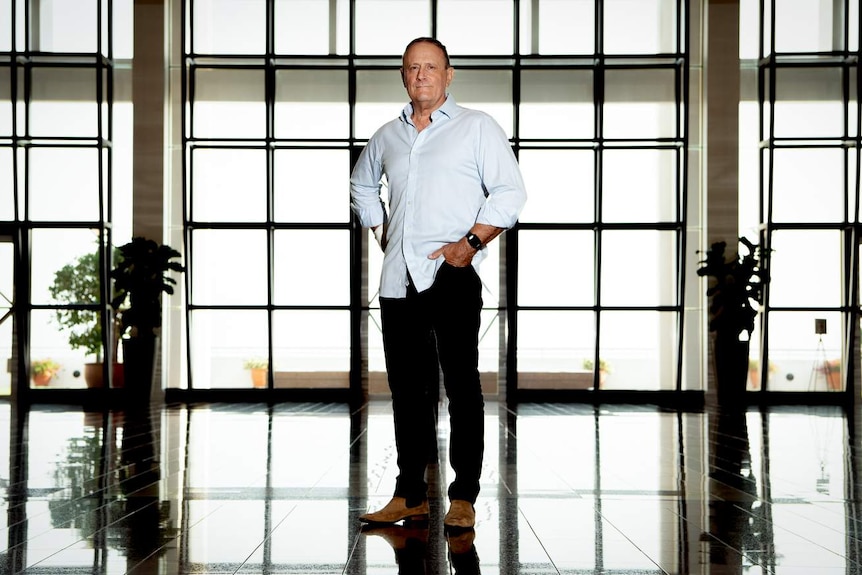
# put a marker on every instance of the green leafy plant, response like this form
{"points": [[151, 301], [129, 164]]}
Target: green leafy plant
{"points": [[736, 290], [604, 365], [47, 367], [77, 284], [256, 363], [140, 278]]}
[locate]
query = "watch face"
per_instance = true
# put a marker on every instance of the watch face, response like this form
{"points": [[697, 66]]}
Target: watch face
{"points": [[474, 241]]}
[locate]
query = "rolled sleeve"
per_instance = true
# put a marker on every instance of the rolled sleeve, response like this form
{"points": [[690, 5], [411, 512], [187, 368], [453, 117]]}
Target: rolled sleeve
{"points": [[365, 200]]}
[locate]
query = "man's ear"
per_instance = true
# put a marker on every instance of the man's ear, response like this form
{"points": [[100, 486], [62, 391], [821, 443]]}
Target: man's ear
{"points": [[403, 78], [450, 73]]}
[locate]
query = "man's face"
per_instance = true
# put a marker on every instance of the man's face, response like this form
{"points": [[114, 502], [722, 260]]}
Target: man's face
{"points": [[425, 75]]}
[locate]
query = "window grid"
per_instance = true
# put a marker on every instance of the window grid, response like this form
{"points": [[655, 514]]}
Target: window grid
{"points": [[673, 64], [778, 134], [25, 58]]}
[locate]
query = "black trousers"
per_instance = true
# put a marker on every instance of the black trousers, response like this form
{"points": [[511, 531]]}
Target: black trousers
{"points": [[439, 324]]}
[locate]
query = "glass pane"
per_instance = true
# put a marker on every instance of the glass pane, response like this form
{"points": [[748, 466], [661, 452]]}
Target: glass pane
{"points": [[300, 279], [65, 26], [124, 29], [564, 27], [7, 198], [229, 26], [805, 268], [639, 268], [377, 383], [640, 26], [541, 282], [808, 26], [557, 104], [5, 103], [5, 27], [53, 249], [798, 172], [310, 185], [639, 185], [7, 275], [229, 267], [639, 348], [302, 27], [800, 359], [311, 104], [224, 346], [229, 104], [311, 341], [640, 104], [380, 97], [489, 349], [122, 160], [489, 273], [554, 342], [228, 185], [456, 21], [376, 20], [64, 184], [64, 273], [64, 102], [489, 91], [72, 351], [808, 103], [560, 184], [749, 29]]}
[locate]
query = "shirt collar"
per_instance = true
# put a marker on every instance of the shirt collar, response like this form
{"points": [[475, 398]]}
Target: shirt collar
{"points": [[448, 108]]}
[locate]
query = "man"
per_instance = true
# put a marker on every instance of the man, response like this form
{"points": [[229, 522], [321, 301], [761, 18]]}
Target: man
{"points": [[453, 186]]}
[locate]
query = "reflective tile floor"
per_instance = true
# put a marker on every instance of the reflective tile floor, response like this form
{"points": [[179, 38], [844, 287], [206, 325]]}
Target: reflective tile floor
{"points": [[567, 488]]}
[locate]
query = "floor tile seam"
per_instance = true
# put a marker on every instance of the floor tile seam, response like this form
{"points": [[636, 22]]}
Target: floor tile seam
{"points": [[604, 518], [84, 539], [538, 540], [267, 537], [780, 527]]}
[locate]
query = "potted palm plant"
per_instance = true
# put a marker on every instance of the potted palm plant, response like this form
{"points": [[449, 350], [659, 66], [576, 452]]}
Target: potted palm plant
{"points": [[140, 279], [737, 282]]}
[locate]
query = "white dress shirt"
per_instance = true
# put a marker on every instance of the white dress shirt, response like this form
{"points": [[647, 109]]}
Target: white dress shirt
{"points": [[458, 171]]}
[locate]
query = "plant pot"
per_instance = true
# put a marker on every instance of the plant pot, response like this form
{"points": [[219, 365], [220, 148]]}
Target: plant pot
{"points": [[139, 361], [258, 377], [94, 376], [731, 366], [42, 379]]}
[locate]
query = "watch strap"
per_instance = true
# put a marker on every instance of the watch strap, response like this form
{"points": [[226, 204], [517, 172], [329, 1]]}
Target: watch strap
{"points": [[474, 241]]}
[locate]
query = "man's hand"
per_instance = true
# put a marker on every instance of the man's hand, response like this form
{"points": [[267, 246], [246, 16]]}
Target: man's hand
{"points": [[458, 254]]}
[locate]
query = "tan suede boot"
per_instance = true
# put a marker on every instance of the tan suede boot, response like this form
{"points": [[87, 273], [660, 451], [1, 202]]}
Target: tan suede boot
{"points": [[395, 511]]}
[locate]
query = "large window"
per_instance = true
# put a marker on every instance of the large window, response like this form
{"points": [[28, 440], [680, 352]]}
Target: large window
{"points": [[809, 138], [595, 104], [59, 161]]}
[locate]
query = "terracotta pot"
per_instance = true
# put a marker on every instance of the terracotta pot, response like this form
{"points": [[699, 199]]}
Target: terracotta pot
{"points": [[42, 379], [258, 377], [94, 378]]}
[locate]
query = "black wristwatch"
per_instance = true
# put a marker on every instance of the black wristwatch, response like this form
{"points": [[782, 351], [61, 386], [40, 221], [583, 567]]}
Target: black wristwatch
{"points": [[474, 241]]}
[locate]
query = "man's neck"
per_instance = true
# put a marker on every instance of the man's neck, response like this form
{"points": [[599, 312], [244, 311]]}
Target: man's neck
{"points": [[422, 114]]}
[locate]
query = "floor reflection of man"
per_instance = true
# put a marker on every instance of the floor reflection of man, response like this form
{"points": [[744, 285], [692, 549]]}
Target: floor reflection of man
{"points": [[412, 554]]}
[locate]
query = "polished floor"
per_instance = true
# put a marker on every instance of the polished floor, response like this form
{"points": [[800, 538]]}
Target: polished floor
{"points": [[567, 488]]}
